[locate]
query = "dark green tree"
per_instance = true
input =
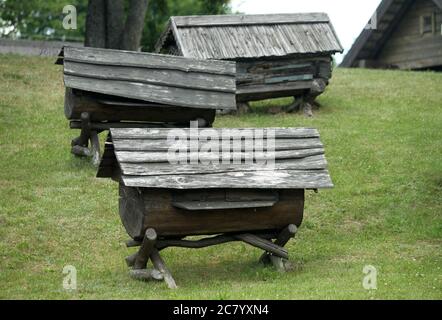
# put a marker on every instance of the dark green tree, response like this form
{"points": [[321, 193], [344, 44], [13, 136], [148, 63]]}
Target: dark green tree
{"points": [[42, 19], [160, 11]]}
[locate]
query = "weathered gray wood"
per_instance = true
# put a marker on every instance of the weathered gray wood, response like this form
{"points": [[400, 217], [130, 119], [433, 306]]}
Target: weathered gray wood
{"points": [[258, 41], [157, 169], [161, 266], [259, 19], [95, 148], [163, 133], [221, 205], [171, 78], [263, 244], [280, 87], [133, 243], [146, 274], [147, 60], [283, 238], [146, 248], [107, 125], [131, 210], [169, 221], [123, 114], [397, 41], [155, 157], [206, 242], [160, 145], [130, 260], [194, 98], [282, 179], [81, 151]]}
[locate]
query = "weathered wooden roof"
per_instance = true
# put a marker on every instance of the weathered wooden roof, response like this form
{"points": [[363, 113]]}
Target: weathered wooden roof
{"points": [[162, 79], [251, 36], [370, 41], [142, 157]]}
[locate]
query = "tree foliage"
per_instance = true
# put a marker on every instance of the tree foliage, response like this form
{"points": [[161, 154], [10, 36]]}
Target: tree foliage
{"points": [[160, 11], [42, 19]]}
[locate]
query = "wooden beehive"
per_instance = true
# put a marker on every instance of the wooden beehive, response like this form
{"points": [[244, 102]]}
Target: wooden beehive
{"points": [[277, 55], [237, 201], [113, 88]]}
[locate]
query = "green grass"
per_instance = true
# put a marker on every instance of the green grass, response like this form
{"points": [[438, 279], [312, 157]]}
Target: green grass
{"points": [[383, 137]]}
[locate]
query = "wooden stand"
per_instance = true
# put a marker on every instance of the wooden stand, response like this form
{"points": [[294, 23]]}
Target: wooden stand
{"points": [[150, 247], [90, 130], [80, 145]]}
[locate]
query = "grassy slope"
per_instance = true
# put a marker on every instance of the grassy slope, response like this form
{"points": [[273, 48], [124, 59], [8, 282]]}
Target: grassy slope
{"points": [[383, 136]]}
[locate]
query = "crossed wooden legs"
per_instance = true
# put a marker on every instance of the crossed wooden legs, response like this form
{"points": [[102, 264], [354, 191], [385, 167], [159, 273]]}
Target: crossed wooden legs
{"points": [[282, 239], [80, 145], [149, 249]]}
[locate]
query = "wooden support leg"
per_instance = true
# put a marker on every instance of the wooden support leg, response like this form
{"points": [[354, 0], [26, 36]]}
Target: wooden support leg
{"points": [[146, 248], [95, 148], [263, 244], [282, 239], [80, 145], [161, 266], [294, 107], [318, 87], [139, 260]]}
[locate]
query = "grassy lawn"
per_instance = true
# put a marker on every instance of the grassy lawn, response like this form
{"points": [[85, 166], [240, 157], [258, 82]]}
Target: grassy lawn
{"points": [[383, 137]]}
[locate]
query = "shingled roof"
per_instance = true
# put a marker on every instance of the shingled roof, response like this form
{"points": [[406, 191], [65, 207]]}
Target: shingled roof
{"points": [[141, 157], [154, 78], [250, 36], [370, 41]]}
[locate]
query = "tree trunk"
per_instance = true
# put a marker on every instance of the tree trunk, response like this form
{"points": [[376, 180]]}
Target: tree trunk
{"points": [[96, 24], [114, 23], [133, 29], [105, 26]]}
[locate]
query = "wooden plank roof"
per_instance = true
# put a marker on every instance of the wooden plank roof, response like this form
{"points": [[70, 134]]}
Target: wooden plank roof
{"points": [[370, 41], [162, 79], [142, 157], [251, 36]]}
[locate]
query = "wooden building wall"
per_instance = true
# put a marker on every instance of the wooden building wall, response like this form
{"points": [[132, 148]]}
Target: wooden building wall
{"points": [[408, 48]]}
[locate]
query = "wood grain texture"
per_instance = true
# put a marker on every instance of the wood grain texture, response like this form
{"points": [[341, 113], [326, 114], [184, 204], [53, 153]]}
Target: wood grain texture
{"points": [[194, 98], [171, 221], [161, 79], [238, 19], [260, 39], [164, 77], [244, 156], [144, 161], [163, 133], [131, 209], [148, 60], [158, 169], [107, 109], [281, 179], [164, 146]]}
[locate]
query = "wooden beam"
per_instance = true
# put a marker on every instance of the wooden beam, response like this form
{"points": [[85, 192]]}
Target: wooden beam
{"points": [[258, 19], [146, 249], [263, 244], [283, 238], [161, 266]]}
